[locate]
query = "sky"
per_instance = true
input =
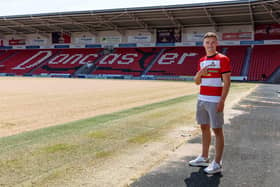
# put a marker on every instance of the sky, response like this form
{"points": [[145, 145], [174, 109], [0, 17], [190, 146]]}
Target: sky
{"points": [[20, 7]]}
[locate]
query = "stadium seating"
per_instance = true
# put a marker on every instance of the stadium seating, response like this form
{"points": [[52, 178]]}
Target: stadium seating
{"points": [[6, 54], [167, 61], [176, 61], [37, 61], [265, 60], [67, 61], [20, 62], [126, 61], [237, 57]]}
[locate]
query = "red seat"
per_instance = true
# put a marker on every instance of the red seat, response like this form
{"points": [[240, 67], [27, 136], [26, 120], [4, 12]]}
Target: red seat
{"points": [[126, 61], [176, 61], [68, 60], [23, 61], [39, 61], [237, 57], [265, 60]]}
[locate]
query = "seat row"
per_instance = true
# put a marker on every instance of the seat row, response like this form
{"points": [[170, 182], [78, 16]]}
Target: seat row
{"points": [[168, 61]]}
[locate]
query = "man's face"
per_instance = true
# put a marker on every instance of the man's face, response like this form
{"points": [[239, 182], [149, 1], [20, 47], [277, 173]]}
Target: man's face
{"points": [[210, 45]]}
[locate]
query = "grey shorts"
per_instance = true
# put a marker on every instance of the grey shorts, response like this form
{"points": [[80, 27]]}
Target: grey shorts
{"points": [[206, 113]]}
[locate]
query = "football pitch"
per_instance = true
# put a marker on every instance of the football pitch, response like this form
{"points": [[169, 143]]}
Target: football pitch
{"points": [[73, 132]]}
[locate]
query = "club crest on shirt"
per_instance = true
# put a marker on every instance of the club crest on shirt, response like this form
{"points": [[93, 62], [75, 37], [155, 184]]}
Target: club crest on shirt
{"points": [[213, 64]]}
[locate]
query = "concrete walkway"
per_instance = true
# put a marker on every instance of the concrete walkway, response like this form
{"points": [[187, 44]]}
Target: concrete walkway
{"points": [[252, 149]]}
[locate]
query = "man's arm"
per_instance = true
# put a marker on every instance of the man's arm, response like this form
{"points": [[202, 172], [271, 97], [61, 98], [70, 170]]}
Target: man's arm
{"points": [[226, 80]]}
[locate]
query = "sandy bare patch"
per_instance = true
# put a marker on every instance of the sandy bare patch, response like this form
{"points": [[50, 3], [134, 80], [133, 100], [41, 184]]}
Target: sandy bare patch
{"points": [[31, 103]]}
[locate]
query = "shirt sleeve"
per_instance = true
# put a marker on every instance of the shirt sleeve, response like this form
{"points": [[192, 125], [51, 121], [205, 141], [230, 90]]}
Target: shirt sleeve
{"points": [[225, 66]]}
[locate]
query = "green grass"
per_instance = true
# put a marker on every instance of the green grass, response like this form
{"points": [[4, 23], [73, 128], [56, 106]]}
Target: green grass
{"points": [[77, 126], [41, 156], [57, 148], [104, 154], [45, 156]]}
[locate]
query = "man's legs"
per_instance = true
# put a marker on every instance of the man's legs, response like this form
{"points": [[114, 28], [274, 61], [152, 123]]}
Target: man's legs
{"points": [[202, 160], [207, 114], [206, 139], [215, 166], [219, 144]]}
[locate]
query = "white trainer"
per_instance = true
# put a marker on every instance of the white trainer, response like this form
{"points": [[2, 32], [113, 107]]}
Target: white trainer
{"points": [[199, 161], [213, 168]]}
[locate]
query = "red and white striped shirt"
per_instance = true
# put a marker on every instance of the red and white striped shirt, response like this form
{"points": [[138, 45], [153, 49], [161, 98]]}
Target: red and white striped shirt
{"points": [[211, 85]]}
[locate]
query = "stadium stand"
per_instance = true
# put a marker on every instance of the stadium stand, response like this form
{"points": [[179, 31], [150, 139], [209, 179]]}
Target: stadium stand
{"points": [[143, 41], [173, 61], [177, 61], [264, 61], [34, 61], [68, 61], [126, 61], [237, 57], [19, 62], [4, 54]]}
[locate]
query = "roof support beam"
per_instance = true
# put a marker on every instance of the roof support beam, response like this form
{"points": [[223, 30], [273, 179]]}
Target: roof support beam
{"points": [[102, 21], [80, 25], [277, 3], [117, 16], [46, 23], [109, 24], [141, 23], [9, 29], [210, 18], [174, 21], [251, 15], [270, 11], [18, 24]]}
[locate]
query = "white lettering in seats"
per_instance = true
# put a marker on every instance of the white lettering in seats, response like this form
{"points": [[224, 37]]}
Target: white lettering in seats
{"points": [[168, 58], [127, 58], [45, 55], [110, 58]]}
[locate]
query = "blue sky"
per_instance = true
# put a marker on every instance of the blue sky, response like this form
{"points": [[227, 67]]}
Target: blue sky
{"points": [[19, 7]]}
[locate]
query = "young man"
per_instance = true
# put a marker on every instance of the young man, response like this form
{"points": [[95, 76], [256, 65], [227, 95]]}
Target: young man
{"points": [[213, 76]]}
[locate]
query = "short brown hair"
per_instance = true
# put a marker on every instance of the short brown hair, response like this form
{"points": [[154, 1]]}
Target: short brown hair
{"points": [[210, 34]]}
